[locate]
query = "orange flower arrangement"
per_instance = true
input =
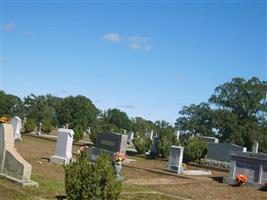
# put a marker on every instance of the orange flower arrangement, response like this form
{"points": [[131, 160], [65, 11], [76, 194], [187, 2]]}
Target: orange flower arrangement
{"points": [[241, 179], [4, 119]]}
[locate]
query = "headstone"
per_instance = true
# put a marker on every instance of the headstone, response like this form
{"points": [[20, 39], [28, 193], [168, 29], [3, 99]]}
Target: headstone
{"points": [[16, 124], [244, 149], [154, 150], [221, 151], [130, 137], [253, 165], [177, 133], [63, 153], [149, 134], [209, 139], [176, 159], [12, 165], [39, 128], [109, 143], [255, 147]]}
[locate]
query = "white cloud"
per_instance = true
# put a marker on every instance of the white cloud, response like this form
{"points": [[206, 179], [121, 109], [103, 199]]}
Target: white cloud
{"points": [[147, 48], [134, 46], [179, 77], [9, 27], [112, 37], [129, 106]]}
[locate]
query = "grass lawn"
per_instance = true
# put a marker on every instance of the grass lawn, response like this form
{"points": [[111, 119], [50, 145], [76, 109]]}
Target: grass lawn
{"points": [[138, 184]]}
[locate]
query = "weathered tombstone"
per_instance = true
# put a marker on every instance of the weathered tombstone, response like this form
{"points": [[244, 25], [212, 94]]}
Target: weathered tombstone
{"points": [[39, 129], [176, 159], [253, 165], [209, 139], [244, 149], [149, 134], [16, 124], [177, 133], [130, 136], [255, 147], [154, 150], [63, 152], [108, 142], [221, 151], [13, 166]]}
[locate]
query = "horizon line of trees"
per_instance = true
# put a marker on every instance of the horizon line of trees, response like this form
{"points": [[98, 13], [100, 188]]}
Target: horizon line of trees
{"points": [[235, 113]]}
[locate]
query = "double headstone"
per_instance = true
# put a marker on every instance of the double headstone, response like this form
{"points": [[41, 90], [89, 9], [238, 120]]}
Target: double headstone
{"points": [[16, 124], [109, 143], [12, 165], [63, 153], [176, 159], [253, 165]]}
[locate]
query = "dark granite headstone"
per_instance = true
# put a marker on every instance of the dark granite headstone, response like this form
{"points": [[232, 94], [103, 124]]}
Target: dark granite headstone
{"points": [[253, 165], [108, 142]]}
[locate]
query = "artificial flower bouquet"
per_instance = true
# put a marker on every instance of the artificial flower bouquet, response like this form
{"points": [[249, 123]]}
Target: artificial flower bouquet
{"points": [[119, 157]]}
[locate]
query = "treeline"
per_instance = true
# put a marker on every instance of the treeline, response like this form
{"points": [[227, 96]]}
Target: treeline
{"points": [[235, 113]]}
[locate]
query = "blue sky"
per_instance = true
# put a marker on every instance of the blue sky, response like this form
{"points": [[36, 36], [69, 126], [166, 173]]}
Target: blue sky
{"points": [[147, 59]]}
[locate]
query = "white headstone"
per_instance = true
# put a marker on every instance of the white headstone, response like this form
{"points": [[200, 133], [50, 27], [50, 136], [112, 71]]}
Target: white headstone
{"points": [[130, 137], [244, 149], [177, 133], [176, 159], [255, 147], [149, 134], [63, 152], [16, 124]]}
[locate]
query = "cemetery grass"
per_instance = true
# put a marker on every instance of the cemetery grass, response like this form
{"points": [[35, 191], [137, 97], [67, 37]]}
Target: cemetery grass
{"points": [[138, 184]]}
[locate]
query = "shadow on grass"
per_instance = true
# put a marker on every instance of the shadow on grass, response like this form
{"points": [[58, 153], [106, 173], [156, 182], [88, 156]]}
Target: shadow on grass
{"points": [[219, 179]]}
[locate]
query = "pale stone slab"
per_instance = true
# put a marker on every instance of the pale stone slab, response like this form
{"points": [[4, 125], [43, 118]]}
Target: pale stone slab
{"points": [[196, 172], [16, 124], [176, 159], [11, 162], [63, 152]]}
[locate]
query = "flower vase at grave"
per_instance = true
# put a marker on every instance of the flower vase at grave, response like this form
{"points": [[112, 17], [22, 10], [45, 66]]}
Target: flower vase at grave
{"points": [[118, 168]]}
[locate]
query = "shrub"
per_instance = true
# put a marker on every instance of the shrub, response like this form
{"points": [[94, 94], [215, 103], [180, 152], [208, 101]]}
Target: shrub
{"points": [[84, 180], [166, 138], [78, 133], [47, 127], [30, 125], [142, 144], [195, 149]]}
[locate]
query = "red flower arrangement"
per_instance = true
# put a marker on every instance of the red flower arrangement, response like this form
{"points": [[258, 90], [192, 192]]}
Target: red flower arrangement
{"points": [[241, 179], [119, 157]]}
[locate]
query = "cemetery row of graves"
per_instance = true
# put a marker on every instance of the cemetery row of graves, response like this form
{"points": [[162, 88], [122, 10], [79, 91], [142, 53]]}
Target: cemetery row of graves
{"points": [[244, 167]]}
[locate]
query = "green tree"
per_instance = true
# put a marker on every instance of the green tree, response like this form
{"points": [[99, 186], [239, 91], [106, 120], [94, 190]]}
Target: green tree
{"points": [[195, 149], [11, 105], [30, 125], [166, 138], [196, 119], [118, 118], [243, 106], [79, 112]]}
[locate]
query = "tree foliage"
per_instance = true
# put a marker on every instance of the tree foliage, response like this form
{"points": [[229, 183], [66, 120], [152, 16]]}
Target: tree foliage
{"points": [[237, 113], [195, 149], [84, 180], [11, 105]]}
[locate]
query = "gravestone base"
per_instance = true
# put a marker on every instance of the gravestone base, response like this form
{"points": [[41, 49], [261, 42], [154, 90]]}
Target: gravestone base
{"points": [[120, 178], [196, 172], [231, 181], [174, 168], [93, 153], [59, 160], [24, 183]]}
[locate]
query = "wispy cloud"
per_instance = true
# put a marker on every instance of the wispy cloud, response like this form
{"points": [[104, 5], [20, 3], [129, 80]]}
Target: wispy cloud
{"points": [[9, 27], [128, 106], [179, 77], [112, 37], [133, 42], [98, 100], [138, 42]]}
